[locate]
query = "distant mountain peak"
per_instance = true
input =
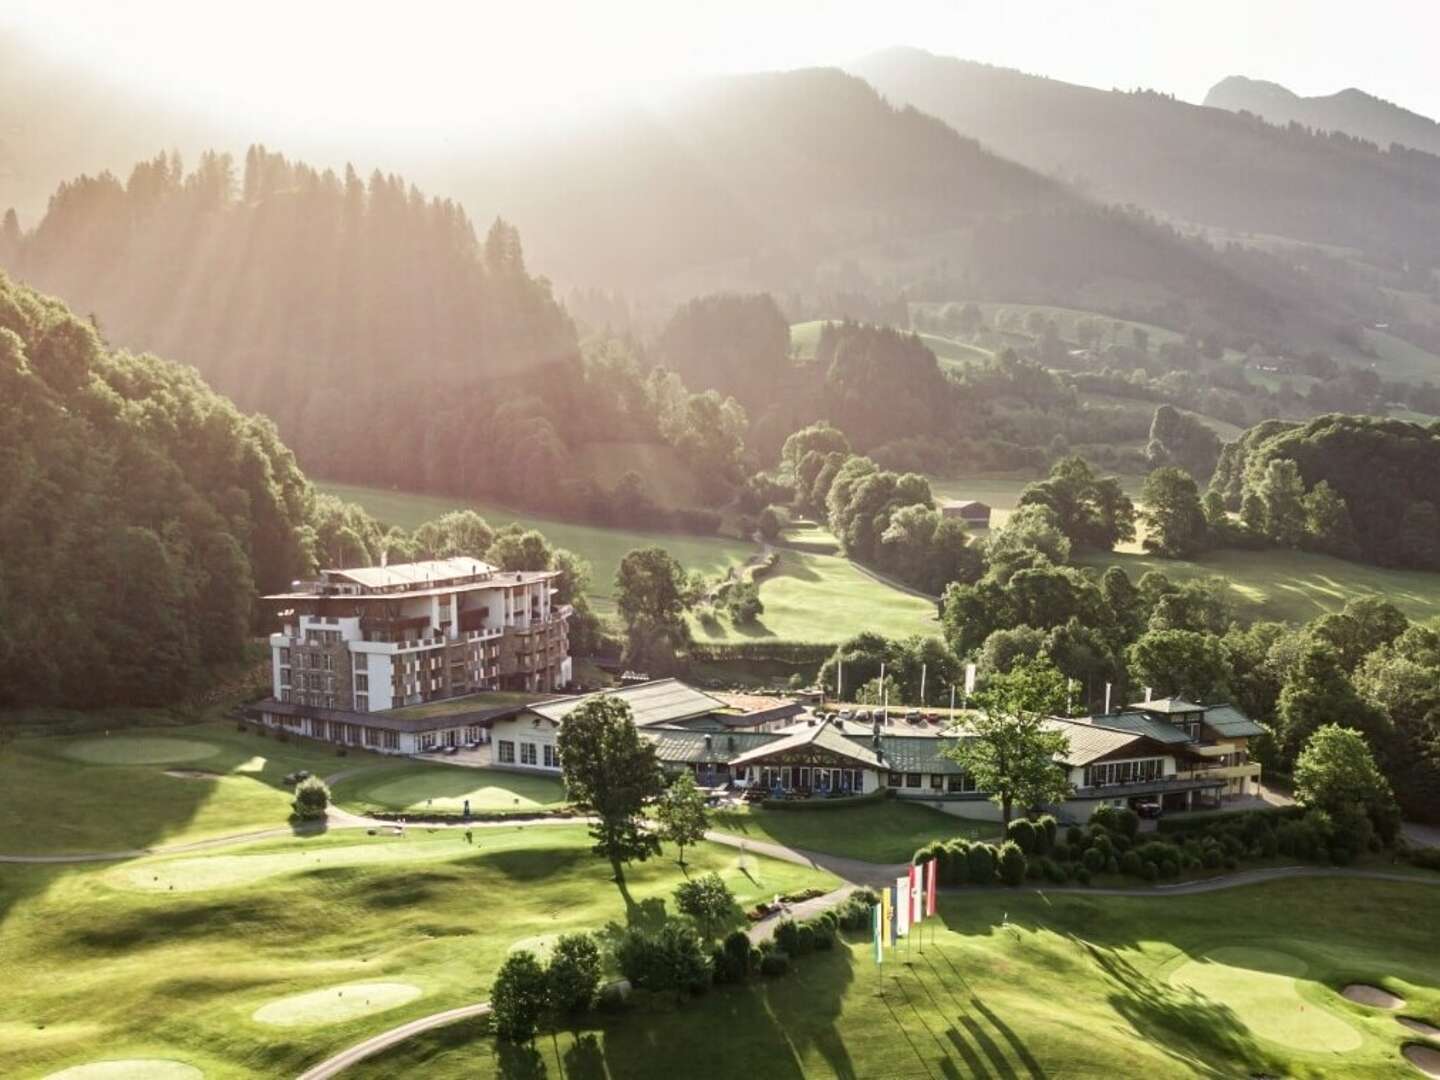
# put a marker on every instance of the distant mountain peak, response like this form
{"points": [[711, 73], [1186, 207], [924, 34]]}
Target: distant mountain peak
{"points": [[1352, 110]]}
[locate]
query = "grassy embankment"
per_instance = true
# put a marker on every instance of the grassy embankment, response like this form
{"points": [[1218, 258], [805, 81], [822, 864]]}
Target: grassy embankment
{"points": [[809, 598], [1241, 983], [882, 832]]}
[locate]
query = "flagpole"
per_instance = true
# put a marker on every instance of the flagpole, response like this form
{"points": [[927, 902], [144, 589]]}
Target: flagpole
{"points": [[922, 685]]}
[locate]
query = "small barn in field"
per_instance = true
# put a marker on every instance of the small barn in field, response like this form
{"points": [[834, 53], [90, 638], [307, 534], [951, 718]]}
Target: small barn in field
{"points": [[972, 512]]}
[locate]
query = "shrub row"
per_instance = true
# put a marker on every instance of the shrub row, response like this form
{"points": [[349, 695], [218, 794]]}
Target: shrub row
{"points": [[788, 652], [1199, 823]]}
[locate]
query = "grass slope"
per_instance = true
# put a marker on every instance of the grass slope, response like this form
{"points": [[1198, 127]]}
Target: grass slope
{"points": [[425, 786], [112, 792], [603, 547], [1013, 985], [100, 962], [1290, 586], [883, 832], [822, 599]]}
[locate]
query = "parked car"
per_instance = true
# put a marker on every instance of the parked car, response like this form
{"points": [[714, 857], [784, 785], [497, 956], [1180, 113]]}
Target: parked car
{"points": [[847, 714], [1147, 808]]}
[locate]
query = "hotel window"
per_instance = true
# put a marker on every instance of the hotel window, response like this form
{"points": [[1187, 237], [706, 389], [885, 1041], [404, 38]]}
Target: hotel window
{"points": [[552, 757], [895, 779], [284, 693], [284, 656], [362, 683], [936, 781], [505, 752], [362, 702], [372, 736], [912, 779], [527, 753], [392, 740], [329, 662]]}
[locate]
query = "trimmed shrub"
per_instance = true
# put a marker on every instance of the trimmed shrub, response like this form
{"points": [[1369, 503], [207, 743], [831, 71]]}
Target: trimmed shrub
{"points": [[775, 962], [518, 998], [1210, 858], [1082, 875], [1075, 836], [954, 865], [822, 933], [731, 960], [1130, 863], [933, 850], [1118, 819], [1149, 871], [1169, 869], [670, 958], [1112, 865], [1046, 828], [980, 862], [787, 936], [1022, 833], [1033, 868], [573, 975], [312, 798], [1093, 860], [1012, 863], [1062, 852], [1054, 872]]}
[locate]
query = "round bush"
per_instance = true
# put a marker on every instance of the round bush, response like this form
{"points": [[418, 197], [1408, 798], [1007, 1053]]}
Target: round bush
{"points": [[1131, 863], [1211, 858], [1075, 836], [1093, 860], [1046, 828], [1061, 852], [1149, 871], [954, 868], [1054, 872], [1022, 833], [1012, 863], [1112, 865], [1169, 869], [980, 861], [1082, 875]]}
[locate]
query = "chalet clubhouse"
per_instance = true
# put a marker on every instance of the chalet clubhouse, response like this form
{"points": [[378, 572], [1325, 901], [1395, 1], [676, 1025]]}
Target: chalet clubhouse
{"points": [[1169, 753]]}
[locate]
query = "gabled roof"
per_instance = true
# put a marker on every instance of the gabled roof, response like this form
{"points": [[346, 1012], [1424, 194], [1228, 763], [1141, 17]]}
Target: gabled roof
{"points": [[917, 753], [1138, 723], [1169, 706], [1231, 722], [1090, 743], [680, 745], [661, 701], [820, 737]]}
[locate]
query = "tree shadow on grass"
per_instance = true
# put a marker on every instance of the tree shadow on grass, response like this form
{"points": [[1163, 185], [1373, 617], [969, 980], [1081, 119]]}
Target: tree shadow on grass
{"points": [[184, 921], [530, 864]]}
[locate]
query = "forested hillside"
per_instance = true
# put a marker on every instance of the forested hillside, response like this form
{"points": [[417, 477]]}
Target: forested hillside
{"points": [[139, 514], [1198, 164], [808, 183], [1352, 111]]}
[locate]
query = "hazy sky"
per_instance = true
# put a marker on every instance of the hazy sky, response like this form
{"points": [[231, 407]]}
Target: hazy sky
{"points": [[421, 65]]}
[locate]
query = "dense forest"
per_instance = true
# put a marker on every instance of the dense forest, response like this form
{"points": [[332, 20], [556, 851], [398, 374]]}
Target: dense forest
{"points": [[140, 512]]}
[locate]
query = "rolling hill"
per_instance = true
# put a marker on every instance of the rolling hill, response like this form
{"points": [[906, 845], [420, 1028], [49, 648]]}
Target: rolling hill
{"points": [[1190, 162], [1351, 110]]}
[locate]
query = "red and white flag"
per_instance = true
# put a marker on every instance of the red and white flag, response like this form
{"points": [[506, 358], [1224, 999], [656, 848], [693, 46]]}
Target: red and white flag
{"points": [[932, 874], [917, 894]]}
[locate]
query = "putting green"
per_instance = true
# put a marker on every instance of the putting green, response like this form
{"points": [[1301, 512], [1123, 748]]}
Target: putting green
{"points": [[200, 872], [129, 1069], [436, 787], [336, 1004], [1259, 986], [138, 750]]}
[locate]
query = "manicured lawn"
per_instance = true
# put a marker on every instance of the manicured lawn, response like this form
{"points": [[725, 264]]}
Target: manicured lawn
{"points": [[886, 831], [1293, 586], [266, 958], [418, 786], [1018, 985], [603, 547], [822, 599], [116, 792]]}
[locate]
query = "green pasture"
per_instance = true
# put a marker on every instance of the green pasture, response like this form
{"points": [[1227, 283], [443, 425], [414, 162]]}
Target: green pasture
{"points": [[1031, 985], [821, 599], [883, 831], [1289, 586], [418, 787], [264, 959], [805, 339], [603, 547], [116, 791]]}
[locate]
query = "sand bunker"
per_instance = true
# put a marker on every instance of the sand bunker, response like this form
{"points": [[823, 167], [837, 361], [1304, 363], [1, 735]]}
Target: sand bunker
{"points": [[1423, 1058], [1259, 986], [1373, 996], [192, 774], [138, 750], [129, 1069], [336, 1004], [1420, 1027]]}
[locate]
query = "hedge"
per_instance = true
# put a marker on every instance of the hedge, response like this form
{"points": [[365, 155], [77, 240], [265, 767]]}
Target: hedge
{"points": [[1193, 823], [840, 803], [788, 652]]}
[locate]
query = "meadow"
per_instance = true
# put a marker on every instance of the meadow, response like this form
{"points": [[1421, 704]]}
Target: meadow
{"points": [[1049, 984], [603, 547], [261, 959], [809, 598], [886, 831]]}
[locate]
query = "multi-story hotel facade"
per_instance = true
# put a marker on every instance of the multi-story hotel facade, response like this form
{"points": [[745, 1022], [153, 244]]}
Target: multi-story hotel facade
{"points": [[377, 638]]}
